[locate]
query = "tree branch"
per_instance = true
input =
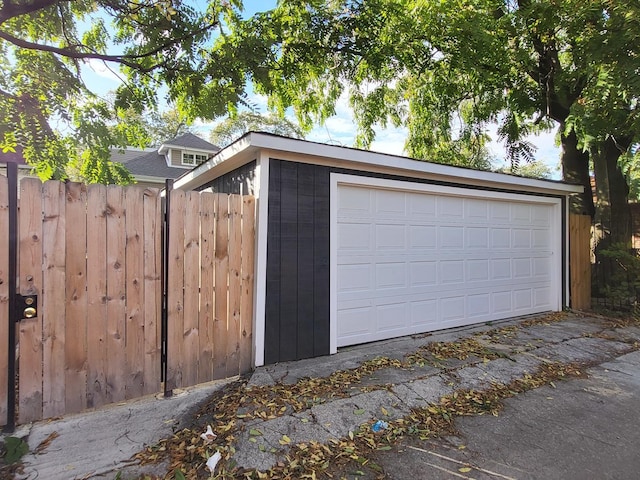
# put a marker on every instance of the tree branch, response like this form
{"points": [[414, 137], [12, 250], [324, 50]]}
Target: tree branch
{"points": [[10, 9], [127, 60]]}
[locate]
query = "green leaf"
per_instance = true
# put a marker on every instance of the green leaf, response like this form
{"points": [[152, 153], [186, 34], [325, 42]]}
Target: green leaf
{"points": [[359, 411], [255, 432], [178, 475], [15, 448]]}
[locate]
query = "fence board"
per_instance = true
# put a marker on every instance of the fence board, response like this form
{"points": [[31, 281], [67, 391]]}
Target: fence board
{"points": [[205, 315], [175, 297], [134, 278], [220, 323], [4, 295], [234, 323], [76, 318], [246, 294], [53, 299], [93, 255], [96, 295], [116, 294], [152, 290], [30, 279], [191, 287], [580, 261]]}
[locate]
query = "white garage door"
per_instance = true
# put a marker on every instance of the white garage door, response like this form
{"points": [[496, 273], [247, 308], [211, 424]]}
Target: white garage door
{"points": [[410, 261]]}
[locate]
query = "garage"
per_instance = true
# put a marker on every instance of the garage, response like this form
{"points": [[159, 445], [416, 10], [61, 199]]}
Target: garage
{"points": [[412, 259], [354, 246]]}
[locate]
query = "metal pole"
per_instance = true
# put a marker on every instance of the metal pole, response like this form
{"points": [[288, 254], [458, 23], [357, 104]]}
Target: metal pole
{"points": [[12, 176], [165, 286]]}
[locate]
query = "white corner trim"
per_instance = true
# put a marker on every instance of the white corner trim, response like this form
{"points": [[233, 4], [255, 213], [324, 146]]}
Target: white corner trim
{"points": [[333, 263], [260, 284]]}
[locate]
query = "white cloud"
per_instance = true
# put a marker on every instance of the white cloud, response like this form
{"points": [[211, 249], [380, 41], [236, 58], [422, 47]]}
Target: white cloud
{"points": [[106, 71]]}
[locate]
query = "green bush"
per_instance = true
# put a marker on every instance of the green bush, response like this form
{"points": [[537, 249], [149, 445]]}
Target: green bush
{"points": [[620, 267]]}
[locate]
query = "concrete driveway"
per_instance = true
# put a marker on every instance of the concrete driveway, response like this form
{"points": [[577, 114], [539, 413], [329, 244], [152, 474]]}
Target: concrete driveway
{"points": [[581, 427]]}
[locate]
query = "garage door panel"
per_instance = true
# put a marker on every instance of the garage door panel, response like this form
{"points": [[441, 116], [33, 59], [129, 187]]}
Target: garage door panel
{"points": [[479, 305], [423, 236], [451, 271], [355, 237], [450, 207], [424, 313], [452, 308], [390, 236], [477, 237], [422, 206], [355, 277], [434, 261], [450, 237], [392, 317], [391, 275]]}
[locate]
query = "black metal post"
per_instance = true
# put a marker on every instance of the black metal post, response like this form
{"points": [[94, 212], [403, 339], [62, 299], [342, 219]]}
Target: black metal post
{"points": [[12, 176], [164, 330]]}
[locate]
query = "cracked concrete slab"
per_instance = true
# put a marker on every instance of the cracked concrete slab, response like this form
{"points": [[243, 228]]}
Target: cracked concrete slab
{"points": [[80, 452]]}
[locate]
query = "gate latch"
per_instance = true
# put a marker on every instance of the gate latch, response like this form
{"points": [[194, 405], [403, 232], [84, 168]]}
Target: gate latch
{"points": [[27, 306]]}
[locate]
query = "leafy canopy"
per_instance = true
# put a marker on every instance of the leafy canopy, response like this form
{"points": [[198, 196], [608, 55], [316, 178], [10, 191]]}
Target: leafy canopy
{"points": [[234, 126], [50, 112]]}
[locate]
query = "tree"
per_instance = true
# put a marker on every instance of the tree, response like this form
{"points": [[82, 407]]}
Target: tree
{"points": [[234, 126], [534, 169], [48, 110], [447, 69], [163, 126]]}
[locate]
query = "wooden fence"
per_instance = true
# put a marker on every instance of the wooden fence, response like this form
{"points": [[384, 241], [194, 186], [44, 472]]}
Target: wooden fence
{"points": [[580, 261], [93, 255]]}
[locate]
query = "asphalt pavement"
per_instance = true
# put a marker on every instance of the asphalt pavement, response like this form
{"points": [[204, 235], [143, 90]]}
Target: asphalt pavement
{"points": [[583, 428]]}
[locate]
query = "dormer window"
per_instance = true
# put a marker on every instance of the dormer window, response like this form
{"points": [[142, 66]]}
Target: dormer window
{"points": [[193, 159]]}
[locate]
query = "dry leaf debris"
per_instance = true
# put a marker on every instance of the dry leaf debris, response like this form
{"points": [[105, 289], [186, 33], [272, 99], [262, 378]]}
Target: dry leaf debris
{"points": [[234, 408]]}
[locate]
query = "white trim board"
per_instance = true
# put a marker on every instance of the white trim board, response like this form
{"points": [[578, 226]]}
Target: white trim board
{"points": [[260, 283]]}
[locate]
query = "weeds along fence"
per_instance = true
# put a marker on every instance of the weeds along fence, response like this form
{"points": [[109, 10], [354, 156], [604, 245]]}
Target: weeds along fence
{"points": [[93, 256]]}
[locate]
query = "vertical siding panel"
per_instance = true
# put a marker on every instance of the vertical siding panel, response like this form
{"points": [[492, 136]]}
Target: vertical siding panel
{"points": [[152, 290], [272, 297], [116, 294], [134, 278], [221, 325], [246, 298], [53, 299], [4, 295], [288, 262], [76, 318], [30, 272], [175, 350], [321, 266], [190, 332], [96, 295], [305, 238], [235, 286], [205, 315]]}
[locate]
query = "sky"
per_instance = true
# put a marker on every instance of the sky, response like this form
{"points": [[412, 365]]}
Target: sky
{"points": [[339, 129]]}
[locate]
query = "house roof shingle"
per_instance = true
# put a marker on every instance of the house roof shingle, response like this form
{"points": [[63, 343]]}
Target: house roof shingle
{"points": [[151, 163]]}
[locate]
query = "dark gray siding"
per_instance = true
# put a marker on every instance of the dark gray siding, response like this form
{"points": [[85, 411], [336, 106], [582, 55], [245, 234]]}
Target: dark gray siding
{"points": [[297, 296], [238, 181]]}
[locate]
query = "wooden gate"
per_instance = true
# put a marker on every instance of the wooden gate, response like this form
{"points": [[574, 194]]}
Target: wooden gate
{"points": [[93, 257]]}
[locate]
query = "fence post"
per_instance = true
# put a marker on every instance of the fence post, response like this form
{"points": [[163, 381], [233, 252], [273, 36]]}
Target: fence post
{"points": [[12, 177], [164, 327]]}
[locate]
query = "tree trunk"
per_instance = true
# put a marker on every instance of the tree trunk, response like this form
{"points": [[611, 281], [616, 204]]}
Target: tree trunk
{"points": [[575, 169], [613, 218]]}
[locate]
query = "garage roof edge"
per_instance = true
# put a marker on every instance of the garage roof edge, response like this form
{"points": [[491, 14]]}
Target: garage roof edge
{"points": [[246, 148]]}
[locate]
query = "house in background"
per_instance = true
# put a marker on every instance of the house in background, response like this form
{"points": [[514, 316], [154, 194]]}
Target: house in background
{"points": [[24, 170], [150, 167]]}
